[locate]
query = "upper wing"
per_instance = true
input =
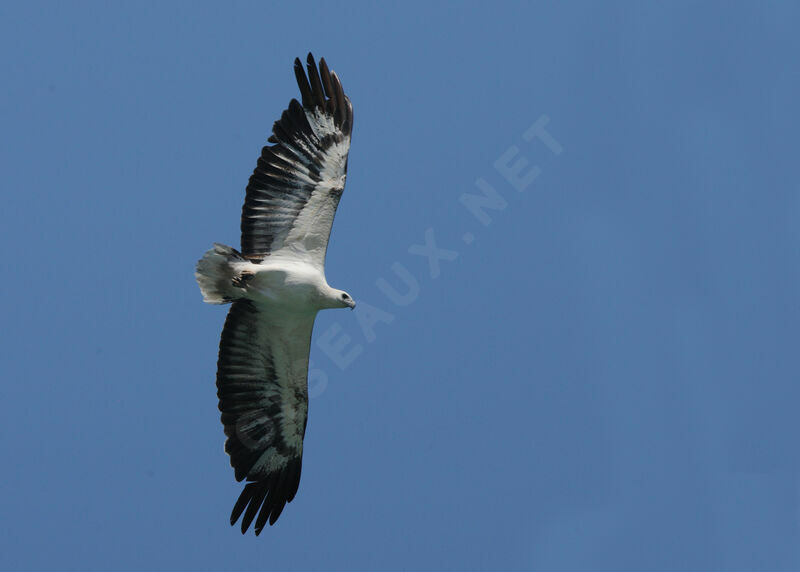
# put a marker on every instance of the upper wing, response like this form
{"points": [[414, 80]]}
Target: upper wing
{"points": [[262, 386], [294, 191]]}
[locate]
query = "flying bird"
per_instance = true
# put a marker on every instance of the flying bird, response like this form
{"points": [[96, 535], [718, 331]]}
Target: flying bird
{"points": [[276, 285]]}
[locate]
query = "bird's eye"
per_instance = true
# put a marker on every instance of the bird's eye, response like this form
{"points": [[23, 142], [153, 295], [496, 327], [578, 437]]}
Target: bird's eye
{"points": [[345, 296]]}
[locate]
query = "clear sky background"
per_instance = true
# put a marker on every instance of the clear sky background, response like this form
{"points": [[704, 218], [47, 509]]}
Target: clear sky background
{"points": [[604, 378]]}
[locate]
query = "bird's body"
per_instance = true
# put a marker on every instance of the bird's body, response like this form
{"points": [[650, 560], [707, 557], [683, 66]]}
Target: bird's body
{"points": [[291, 286], [276, 285]]}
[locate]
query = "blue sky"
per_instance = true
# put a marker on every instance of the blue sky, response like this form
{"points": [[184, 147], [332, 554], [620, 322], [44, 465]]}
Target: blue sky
{"points": [[605, 377]]}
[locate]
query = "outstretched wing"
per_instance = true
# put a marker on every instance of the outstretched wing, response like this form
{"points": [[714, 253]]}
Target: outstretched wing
{"points": [[262, 387], [294, 191]]}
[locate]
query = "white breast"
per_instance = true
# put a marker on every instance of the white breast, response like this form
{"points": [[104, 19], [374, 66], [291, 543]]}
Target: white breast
{"points": [[290, 285]]}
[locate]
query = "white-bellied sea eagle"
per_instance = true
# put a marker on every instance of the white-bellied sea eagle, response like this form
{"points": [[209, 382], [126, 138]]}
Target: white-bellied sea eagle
{"points": [[276, 285]]}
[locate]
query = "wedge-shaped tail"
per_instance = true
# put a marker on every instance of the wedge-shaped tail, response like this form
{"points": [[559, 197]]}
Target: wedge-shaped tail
{"points": [[218, 273]]}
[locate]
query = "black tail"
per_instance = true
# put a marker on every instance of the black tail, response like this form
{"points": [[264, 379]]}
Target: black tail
{"points": [[270, 494]]}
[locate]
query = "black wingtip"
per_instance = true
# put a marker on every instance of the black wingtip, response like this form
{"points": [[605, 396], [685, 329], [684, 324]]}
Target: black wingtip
{"points": [[244, 500], [302, 83], [326, 84], [321, 88], [267, 498], [318, 96], [252, 509]]}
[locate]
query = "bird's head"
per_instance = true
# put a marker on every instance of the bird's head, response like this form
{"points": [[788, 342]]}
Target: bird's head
{"points": [[345, 300]]}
